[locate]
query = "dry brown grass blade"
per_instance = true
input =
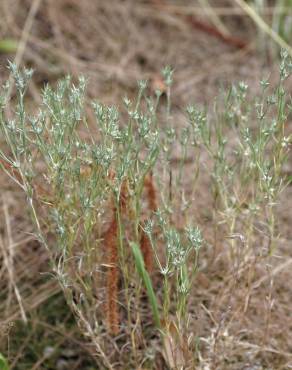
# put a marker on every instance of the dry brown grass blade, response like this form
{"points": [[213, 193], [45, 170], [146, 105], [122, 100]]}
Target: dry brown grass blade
{"points": [[209, 29], [48, 289], [9, 262], [24, 38], [175, 349], [277, 270], [226, 11]]}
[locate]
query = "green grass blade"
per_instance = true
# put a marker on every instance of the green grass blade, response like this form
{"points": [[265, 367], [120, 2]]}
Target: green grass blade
{"points": [[8, 46], [3, 363], [264, 26], [139, 261]]}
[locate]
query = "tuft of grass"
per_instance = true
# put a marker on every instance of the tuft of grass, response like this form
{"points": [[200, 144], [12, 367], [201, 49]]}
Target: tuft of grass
{"points": [[92, 193]]}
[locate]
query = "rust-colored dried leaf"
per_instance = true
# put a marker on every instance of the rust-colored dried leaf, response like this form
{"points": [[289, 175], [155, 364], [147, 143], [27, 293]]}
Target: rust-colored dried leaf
{"points": [[110, 240]]}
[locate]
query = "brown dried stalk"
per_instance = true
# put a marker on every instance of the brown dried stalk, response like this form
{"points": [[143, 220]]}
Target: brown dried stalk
{"points": [[150, 192], [146, 250], [11, 171], [111, 243], [145, 245], [124, 197], [110, 239]]}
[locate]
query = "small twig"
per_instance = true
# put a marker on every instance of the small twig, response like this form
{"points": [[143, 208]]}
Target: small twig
{"points": [[212, 31], [274, 272]]}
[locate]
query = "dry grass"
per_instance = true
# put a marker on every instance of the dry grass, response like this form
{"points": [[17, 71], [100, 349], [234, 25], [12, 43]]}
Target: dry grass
{"points": [[148, 40], [244, 319]]}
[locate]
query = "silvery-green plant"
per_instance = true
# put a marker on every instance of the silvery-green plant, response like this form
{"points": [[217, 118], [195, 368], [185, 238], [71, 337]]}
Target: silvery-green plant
{"points": [[247, 159], [81, 176], [181, 251]]}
